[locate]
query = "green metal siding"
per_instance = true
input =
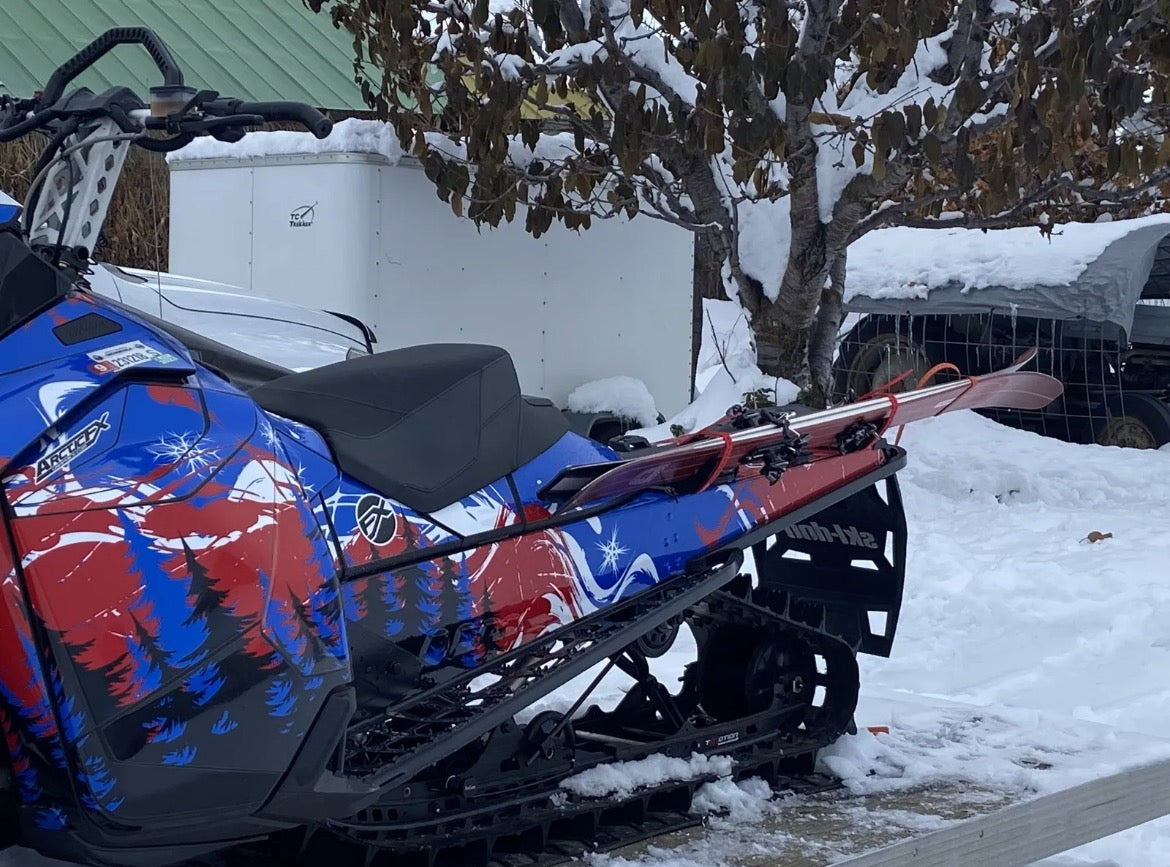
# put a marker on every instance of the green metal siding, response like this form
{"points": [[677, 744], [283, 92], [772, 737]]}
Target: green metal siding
{"points": [[251, 49]]}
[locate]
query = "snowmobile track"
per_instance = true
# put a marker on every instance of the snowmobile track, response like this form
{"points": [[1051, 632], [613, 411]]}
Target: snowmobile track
{"points": [[453, 714], [529, 820]]}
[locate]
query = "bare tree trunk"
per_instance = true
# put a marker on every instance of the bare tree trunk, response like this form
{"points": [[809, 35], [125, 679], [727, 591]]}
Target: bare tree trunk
{"points": [[771, 340], [710, 252], [714, 248], [824, 338], [791, 318], [832, 258]]}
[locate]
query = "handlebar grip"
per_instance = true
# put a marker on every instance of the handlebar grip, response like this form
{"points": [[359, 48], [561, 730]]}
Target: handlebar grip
{"points": [[295, 112], [16, 122], [92, 53]]}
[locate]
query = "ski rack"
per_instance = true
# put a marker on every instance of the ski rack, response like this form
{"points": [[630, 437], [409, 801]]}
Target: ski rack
{"points": [[693, 463]]}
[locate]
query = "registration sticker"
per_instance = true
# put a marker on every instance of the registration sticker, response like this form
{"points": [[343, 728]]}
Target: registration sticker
{"points": [[124, 355]]}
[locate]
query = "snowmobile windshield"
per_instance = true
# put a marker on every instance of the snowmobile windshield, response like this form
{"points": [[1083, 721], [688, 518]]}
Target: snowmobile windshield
{"points": [[28, 284]]}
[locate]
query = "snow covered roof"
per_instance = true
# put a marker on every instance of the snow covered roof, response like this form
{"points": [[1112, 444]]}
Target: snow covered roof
{"points": [[1092, 271], [349, 136]]}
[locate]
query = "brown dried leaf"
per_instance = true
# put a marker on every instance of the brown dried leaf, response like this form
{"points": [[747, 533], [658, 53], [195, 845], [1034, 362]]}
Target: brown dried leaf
{"points": [[933, 149], [858, 153], [930, 113]]}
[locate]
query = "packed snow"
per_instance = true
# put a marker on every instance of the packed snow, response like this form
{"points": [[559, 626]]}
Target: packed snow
{"points": [[624, 778], [907, 263]]}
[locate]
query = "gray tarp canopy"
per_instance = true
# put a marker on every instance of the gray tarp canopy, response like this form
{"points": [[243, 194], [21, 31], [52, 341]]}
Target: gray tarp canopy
{"points": [[1106, 291]]}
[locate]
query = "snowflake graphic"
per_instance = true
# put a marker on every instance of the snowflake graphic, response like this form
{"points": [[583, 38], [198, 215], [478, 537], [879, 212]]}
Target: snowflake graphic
{"points": [[301, 473], [181, 448], [610, 552], [269, 434]]}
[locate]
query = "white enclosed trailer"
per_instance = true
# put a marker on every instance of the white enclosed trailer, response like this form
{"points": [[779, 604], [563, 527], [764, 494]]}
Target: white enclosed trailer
{"points": [[363, 234]]}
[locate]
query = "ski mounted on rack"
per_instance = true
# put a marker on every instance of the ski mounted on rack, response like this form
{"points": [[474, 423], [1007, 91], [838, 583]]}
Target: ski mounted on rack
{"points": [[770, 441]]}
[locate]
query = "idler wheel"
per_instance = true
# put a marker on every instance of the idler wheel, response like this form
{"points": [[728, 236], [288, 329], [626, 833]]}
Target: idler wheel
{"points": [[745, 673]]}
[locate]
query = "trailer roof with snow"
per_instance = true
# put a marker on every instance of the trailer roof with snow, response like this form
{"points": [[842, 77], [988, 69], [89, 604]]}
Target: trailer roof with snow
{"points": [[1089, 271]]}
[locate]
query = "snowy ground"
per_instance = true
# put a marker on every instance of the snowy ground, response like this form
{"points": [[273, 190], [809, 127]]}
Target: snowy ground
{"points": [[1021, 643], [1047, 642]]}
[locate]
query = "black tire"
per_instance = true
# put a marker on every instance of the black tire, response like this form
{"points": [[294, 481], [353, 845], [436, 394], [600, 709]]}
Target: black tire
{"points": [[1135, 421], [879, 348]]}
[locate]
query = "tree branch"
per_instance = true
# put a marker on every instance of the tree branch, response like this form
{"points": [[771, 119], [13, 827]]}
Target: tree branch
{"points": [[897, 213], [966, 42], [900, 213], [1142, 16], [573, 20]]}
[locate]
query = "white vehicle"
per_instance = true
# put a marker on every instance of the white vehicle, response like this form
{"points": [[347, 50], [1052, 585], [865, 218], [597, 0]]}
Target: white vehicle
{"points": [[359, 227], [281, 333]]}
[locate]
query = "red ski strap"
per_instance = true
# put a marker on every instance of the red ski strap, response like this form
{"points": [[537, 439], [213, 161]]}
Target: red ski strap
{"points": [[971, 380], [893, 399], [721, 464], [938, 368]]}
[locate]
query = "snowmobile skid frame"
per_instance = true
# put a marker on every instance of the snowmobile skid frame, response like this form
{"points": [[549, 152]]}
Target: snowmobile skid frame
{"points": [[569, 652]]}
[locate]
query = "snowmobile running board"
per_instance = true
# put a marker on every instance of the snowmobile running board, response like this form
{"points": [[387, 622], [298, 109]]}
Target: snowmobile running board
{"points": [[981, 826]]}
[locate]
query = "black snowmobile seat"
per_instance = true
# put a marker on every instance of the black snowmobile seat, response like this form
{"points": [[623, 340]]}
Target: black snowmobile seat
{"points": [[424, 425]]}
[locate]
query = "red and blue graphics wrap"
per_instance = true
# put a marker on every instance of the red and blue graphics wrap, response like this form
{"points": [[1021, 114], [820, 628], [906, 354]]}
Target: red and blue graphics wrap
{"points": [[185, 576], [168, 558]]}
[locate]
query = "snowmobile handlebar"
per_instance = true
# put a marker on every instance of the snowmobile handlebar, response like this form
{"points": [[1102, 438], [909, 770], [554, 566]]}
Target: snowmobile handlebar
{"points": [[273, 112], [88, 56], [86, 130], [174, 107]]}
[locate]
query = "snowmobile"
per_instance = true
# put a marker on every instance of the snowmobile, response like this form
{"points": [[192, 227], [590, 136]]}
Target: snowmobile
{"points": [[253, 614]]}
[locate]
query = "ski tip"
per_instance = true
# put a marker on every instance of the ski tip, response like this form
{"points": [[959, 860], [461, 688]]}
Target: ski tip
{"points": [[1024, 357]]}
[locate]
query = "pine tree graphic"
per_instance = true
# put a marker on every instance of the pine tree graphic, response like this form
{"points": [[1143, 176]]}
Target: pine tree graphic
{"points": [[490, 629], [211, 603], [314, 647]]}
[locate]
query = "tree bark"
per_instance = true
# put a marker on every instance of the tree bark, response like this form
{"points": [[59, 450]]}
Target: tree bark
{"points": [[714, 247], [789, 321], [710, 252], [824, 338], [857, 199]]}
